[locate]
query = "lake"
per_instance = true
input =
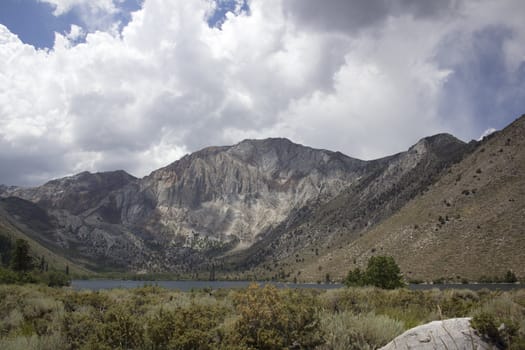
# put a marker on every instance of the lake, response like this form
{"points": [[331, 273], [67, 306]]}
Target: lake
{"points": [[188, 285], [192, 285]]}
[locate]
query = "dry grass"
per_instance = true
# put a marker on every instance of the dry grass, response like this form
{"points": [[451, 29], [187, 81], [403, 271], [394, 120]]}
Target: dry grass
{"points": [[347, 331], [33, 317]]}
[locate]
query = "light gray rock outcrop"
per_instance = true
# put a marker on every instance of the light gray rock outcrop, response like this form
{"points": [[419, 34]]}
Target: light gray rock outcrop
{"points": [[451, 334]]}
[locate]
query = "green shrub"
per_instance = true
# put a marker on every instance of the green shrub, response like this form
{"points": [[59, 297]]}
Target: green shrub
{"points": [[381, 271], [501, 321], [346, 330], [39, 317], [82, 327], [355, 278], [485, 324], [97, 300], [458, 303], [510, 277], [121, 329], [357, 300], [33, 342], [272, 319], [8, 276], [56, 279], [161, 328], [195, 327]]}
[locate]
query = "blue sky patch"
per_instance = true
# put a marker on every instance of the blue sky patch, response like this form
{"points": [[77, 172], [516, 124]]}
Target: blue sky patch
{"points": [[34, 23], [218, 18]]}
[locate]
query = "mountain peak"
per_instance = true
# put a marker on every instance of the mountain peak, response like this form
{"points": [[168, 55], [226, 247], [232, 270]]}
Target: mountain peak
{"points": [[270, 141], [441, 139], [263, 145], [99, 177], [442, 144]]}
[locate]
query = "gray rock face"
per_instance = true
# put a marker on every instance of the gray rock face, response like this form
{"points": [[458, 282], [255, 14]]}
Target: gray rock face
{"points": [[216, 199], [237, 192], [383, 188], [77, 193], [451, 334]]}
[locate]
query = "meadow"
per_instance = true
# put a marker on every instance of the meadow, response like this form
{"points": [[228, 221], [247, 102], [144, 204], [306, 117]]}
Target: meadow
{"points": [[40, 317]]}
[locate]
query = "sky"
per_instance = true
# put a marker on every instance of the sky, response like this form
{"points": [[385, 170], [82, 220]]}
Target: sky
{"points": [[101, 85]]}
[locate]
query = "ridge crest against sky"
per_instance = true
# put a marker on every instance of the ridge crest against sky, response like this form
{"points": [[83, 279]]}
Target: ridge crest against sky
{"points": [[135, 84]]}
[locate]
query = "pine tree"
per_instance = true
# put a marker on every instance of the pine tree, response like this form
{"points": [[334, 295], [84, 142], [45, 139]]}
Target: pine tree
{"points": [[21, 260], [383, 272]]}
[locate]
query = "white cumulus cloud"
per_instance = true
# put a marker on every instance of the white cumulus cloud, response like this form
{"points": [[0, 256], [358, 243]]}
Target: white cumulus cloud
{"points": [[63, 6], [167, 83]]}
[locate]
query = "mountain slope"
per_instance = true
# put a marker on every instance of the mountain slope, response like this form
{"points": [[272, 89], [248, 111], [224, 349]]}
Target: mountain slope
{"points": [[74, 216], [76, 193], [387, 185], [469, 224], [272, 208], [11, 229], [180, 216]]}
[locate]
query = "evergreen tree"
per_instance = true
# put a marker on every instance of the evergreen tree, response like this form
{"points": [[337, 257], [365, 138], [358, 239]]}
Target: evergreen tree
{"points": [[383, 272], [21, 261], [355, 278], [6, 247], [510, 277], [42, 263]]}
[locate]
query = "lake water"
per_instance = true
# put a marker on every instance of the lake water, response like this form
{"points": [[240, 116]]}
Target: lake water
{"points": [[192, 285], [188, 285]]}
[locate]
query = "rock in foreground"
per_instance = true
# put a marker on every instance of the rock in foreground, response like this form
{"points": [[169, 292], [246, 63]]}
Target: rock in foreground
{"points": [[455, 333]]}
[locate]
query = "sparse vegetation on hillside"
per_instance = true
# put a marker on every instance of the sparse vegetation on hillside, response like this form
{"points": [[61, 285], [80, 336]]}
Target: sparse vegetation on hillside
{"points": [[467, 226], [43, 258], [23, 267]]}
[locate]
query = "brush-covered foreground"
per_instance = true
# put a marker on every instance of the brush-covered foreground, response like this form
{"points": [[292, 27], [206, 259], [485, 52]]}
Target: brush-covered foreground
{"points": [[38, 317]]}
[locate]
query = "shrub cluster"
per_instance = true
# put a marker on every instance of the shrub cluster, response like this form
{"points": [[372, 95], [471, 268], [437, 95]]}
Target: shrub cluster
{"points": [[381, 271], [39, 317], [273, 319]]}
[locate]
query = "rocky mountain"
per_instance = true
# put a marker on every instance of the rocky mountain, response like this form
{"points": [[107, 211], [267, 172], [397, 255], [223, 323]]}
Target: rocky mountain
{"points": [[232, 194], [386, 186], [270, 207], [12, 228], [216, 200], [468, 224]]}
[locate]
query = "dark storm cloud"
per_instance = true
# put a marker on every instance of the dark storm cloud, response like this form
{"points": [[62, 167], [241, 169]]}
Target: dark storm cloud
{"points": [[30, 165], [481, 83], [425, 8], [353, 15]]}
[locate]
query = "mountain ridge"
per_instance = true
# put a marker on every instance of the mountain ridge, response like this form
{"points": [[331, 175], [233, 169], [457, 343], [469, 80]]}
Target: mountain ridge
{"points": [[270, 208], [214, 199], [467, 225]]}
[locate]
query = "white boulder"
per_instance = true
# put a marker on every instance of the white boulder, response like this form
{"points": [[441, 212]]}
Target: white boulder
{"points": [[451, 334]]}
